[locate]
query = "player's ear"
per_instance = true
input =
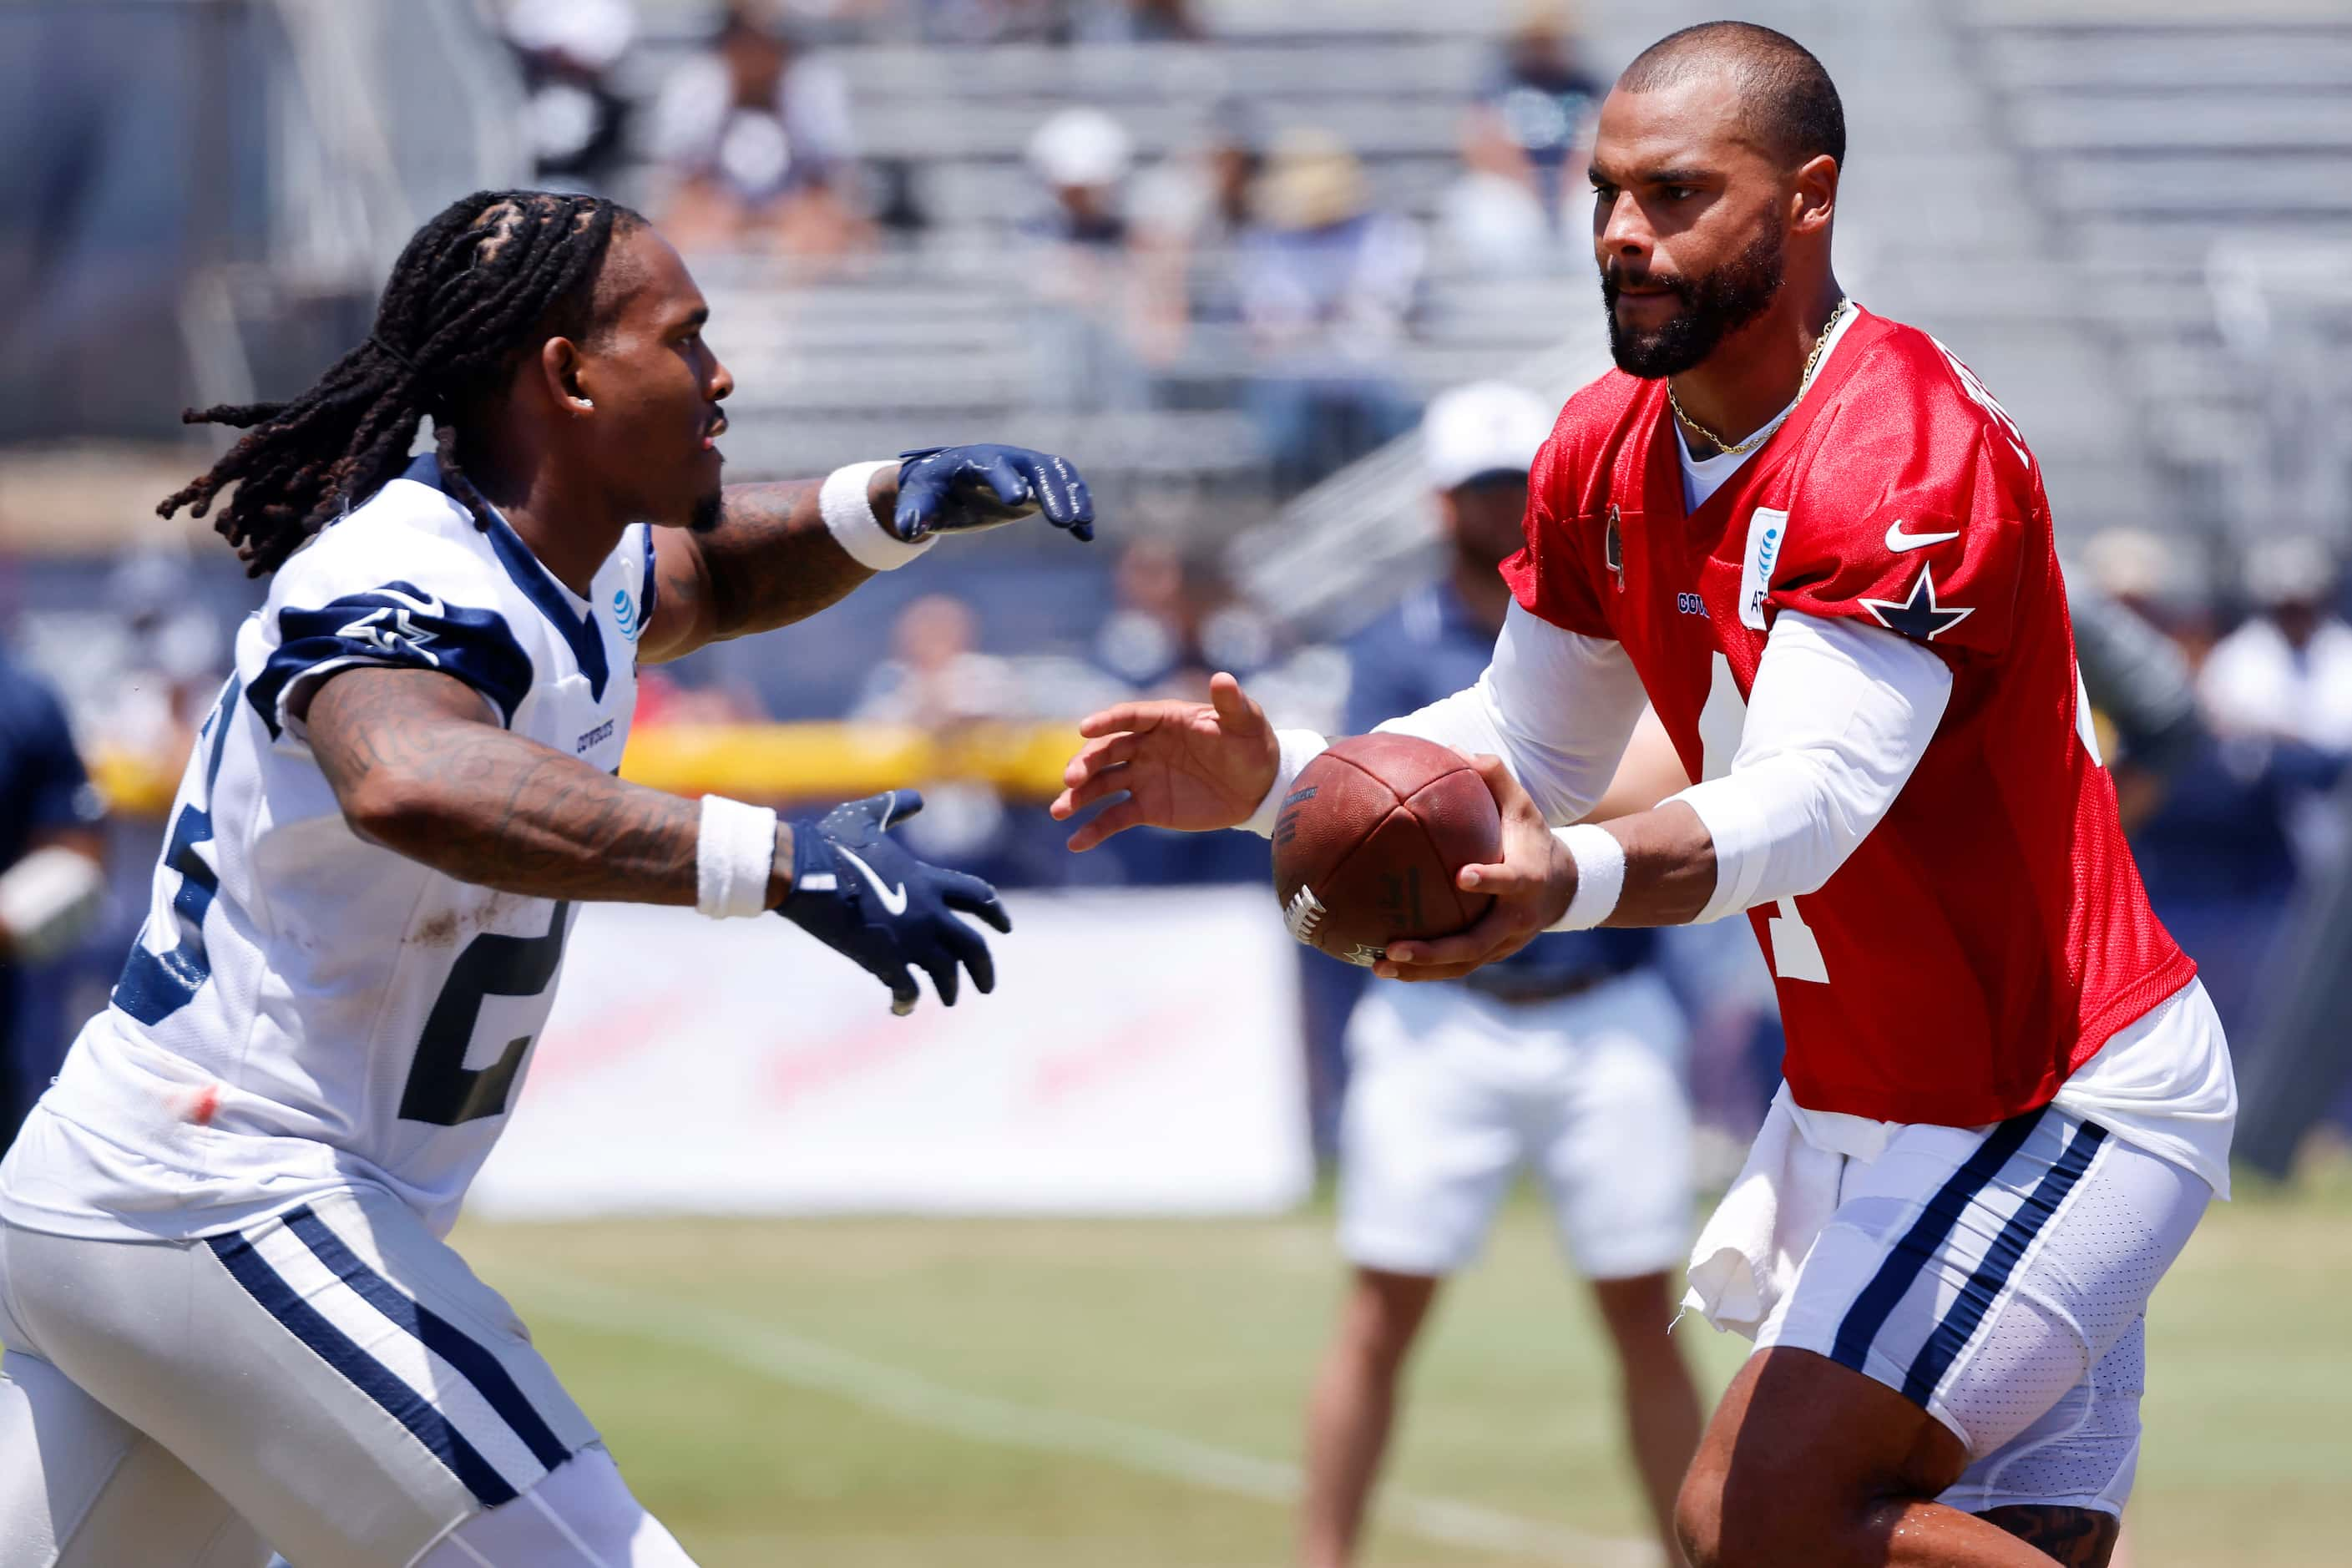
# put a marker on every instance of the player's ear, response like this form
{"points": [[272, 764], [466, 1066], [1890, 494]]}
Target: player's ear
{"points": [[560, 366], [1814, 199]]}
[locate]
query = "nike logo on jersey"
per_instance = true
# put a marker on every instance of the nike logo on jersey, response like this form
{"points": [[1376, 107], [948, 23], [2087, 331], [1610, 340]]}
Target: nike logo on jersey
{"points": [[1898, 541], [893, 899], [1918, 615]]}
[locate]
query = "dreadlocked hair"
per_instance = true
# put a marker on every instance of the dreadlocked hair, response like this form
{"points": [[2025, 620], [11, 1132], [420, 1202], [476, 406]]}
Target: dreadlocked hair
{"points": [[493, 274]]}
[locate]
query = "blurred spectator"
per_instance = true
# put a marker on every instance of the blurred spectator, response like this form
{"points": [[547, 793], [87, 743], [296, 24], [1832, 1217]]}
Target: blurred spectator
{"points": [[937, 680], [574, 118], [1491, 221], [2283, 680], [901, 212], [52, 882], [1328, 282], [2157, 578], [1142, 21], [1175, 625], [2219, 858], [2139, 682], [756, 138], [1539, 104], [994, 21], [1082, 276], [172, 658], [2287, 671], [1190, 212]]}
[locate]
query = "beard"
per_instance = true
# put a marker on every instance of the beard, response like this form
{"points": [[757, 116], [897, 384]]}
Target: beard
{"points": [[707, 512], [1713, 308]]}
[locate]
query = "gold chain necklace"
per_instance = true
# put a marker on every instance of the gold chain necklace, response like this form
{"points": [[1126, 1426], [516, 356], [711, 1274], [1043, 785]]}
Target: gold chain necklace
{"points": [[1724, 448]]}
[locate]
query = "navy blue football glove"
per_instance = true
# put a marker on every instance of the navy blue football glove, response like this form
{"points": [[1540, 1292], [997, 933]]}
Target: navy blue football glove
{"points": [[955, 490], [856, 890]]}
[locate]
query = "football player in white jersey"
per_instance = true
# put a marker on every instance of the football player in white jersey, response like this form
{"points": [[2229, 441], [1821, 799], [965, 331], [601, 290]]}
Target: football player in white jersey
{"points": [[228, 1314]]}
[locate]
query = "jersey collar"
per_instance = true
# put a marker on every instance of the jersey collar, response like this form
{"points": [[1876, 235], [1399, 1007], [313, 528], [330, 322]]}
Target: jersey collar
{"points": [[562, 607], [572, 618], [1665, 473]]}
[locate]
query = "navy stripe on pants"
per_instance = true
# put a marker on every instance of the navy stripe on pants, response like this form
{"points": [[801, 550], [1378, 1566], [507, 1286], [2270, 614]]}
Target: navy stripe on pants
{"points": [[1984, 1286], [362, 1371], [1929, 1231], [477, 1364]]}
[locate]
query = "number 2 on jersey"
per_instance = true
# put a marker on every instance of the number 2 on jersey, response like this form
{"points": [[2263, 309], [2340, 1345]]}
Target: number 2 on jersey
{"points": [[441, 1089], [1795, 952]]}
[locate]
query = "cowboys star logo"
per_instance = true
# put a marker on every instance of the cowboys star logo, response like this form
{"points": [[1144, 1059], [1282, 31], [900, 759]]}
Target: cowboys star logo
{"points": [[391, 629], [1918, 615]]}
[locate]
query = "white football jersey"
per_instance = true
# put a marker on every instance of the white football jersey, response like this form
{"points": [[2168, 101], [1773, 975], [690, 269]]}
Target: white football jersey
{"points": [[305, 1008]]}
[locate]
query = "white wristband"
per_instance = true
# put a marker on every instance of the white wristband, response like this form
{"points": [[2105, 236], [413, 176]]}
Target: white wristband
{"points": [[849, 517], [734, 856], [1600, 875], [1299, 747]]}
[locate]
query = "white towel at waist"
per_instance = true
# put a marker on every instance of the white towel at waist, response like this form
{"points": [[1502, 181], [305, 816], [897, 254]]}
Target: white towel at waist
{"points": [[1749, 1250]]}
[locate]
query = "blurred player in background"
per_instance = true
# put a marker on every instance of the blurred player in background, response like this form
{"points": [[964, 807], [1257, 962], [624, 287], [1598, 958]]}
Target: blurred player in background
{"points": [[52, 880], [1563, 1058], [229, 1314], [1813, 541]]}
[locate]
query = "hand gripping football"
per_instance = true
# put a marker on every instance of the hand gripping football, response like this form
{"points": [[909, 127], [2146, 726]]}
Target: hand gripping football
{"points": [[1368, 841]]}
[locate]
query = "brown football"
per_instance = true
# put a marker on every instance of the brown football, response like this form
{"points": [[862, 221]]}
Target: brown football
{"points": [[1370, 840]]}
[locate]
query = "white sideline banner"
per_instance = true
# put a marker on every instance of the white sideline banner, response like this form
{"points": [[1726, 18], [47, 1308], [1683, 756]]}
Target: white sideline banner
{"points": [[1139, 1056]]}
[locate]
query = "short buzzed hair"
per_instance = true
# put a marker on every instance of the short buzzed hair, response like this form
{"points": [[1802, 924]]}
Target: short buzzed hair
{"points": [[1788, 100]]}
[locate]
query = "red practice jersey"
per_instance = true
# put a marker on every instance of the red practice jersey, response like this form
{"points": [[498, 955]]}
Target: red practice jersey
{"points": [[1991, 932]]}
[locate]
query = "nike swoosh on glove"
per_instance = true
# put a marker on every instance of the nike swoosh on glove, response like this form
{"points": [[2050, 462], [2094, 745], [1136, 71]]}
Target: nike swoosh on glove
{"points": [[957, 490], [858, 892]]}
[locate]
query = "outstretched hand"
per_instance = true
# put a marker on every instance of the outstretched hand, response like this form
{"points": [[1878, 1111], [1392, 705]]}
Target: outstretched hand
{"points": [[1531, 886], [961, 490], [858, 892], [1189, 765]]}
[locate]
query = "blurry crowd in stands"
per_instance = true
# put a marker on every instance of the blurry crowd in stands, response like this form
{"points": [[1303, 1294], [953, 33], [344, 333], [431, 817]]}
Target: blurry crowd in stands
{"points": [[1267, 248]]}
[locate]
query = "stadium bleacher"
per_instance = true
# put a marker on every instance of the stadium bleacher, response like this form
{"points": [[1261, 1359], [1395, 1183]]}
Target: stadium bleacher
{"points": [[2199, 156], [902, 346]]}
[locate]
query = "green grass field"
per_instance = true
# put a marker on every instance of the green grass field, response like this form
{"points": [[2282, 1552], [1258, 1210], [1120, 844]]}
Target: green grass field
{"points": [[1058, 1394]]}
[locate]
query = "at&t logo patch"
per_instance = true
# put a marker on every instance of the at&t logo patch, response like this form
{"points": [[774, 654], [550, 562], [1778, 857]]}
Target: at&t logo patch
{"points": [[1767, 531]]}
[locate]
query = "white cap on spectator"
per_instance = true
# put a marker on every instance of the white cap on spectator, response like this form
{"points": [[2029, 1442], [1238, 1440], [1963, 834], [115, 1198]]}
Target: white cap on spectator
{"points": [[596, 33], [2296, 570], [1486, 427], [1081, 147]]}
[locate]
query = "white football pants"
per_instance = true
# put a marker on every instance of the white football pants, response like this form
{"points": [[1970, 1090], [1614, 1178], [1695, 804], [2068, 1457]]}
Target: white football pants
{"points": [[333, 1381]]}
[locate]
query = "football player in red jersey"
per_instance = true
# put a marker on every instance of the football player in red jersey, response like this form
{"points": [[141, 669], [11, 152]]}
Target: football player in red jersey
{"points": [[1819, 547]]}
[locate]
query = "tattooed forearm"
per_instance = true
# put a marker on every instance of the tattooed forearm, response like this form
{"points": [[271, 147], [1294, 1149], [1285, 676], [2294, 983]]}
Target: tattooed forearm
{"points": [[418, 768], [770, 562], [2079, 1537]]}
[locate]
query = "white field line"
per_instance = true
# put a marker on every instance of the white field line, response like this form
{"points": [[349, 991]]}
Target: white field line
{"points": [[916, 1399]]}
